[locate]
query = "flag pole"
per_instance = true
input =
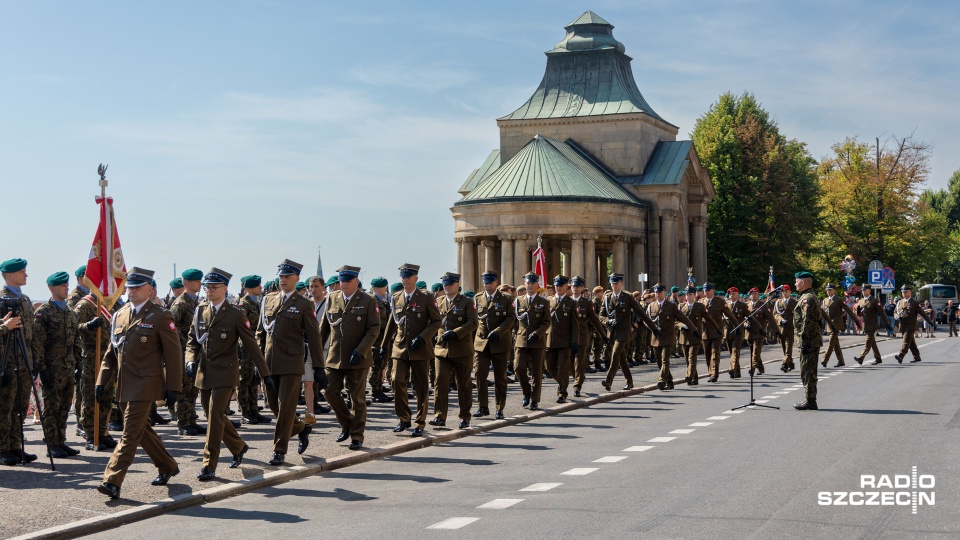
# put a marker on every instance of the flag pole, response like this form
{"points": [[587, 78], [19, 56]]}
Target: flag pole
{"points": [[97, 360]]}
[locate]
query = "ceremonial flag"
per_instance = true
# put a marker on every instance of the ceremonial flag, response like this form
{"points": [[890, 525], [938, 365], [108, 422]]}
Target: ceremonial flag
{"points": [[540, 263], [105, 267], [770, 285]]}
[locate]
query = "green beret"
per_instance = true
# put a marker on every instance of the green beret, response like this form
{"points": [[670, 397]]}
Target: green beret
{"points": [[469, 294], [301, 285], [176, 283], [674, 289], [58, 279], [436, 287], [192, 274], [803, 275], [13, 265], [80, 272], [699, 288], [396, 287], [333, 280], [250, 282], [153, 283], [379, 282], [421, 284]]}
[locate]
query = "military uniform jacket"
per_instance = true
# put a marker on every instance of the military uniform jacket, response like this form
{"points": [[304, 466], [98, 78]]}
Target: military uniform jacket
{"points": [[806, 320], [75, 295], [418, 317], [494, 314], [834, 307], [564, 329], [215, 348], [56, 338], [349, 326], [597, 307], [459, 315], [144, 354], [907, 311], [666, 316], [286, 326], [533, 317], [26, 315], [182, 311], [86, 311], [716, 309], [384, 307], [587, 315], [870, 309], [618, 309], [697, 313], [783, 310], [740, 312], [760, 318]]}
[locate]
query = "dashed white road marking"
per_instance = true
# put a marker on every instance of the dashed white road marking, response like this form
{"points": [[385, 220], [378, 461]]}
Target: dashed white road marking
{"points": [[701, 424], [543, 486], [661, 439], [580, 471], [500, 504], [637, 449], [718, 418], [770, 397], [760, 401], [782, 392], [610, 459], [682, 431], [733, 412], [454, 523]]}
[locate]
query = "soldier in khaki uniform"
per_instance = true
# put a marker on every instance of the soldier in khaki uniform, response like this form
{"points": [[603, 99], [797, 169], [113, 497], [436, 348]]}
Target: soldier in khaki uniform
{"points": [[783, 310], [183, 310], [16, 378], [833, 309], [717, 310], [287, 325], [756, 325], [249, 388], [870, 309], [496, 319], [379, 293], [351, 323], [907, 311], [667, 316], [57, 346], [806, 319], [213, 359], [615, 310], [533, 322], [144, 357], [563, 336], [735, 330], [690, 336], [454, 350], [587, 322], [413, 323], [599, 352]]}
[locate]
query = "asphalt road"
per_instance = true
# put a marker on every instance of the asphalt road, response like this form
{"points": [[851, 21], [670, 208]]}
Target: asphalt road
{"points": [[676, 464]]}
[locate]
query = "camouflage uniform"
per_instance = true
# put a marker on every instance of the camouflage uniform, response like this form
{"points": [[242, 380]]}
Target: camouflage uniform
{"points": [[75, 295], [15, 377], [86, 311], [183, 310], [806, 323], [58, 353], [249, 389]]}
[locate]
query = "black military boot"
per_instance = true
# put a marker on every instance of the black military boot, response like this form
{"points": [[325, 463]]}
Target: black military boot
{"points": [[807, 405]]}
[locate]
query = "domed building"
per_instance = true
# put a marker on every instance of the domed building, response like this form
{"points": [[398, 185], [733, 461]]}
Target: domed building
{"points": [[591, 168]]}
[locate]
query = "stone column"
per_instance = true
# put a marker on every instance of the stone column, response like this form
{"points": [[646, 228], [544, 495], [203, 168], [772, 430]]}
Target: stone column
{"points": [[566, 269], [638, 252], [620, 255], [553, 260], [506, 257], [489, 256], [698, 248], [459, 242], [576, 255], [669, 246], [468, 273], [521, 261], [590, 260]]}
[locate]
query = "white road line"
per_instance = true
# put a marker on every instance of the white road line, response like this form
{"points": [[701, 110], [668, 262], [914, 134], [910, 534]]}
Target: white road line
{"points": [[930, 343], [500, 504], [782, 392], [637, 449], [610, 459], [718, 418], [798, 386], [580, 471], [661, 439], [770, 397], [454, 523], [701, 424], [543, 486], [682, 431], [760, 401]]}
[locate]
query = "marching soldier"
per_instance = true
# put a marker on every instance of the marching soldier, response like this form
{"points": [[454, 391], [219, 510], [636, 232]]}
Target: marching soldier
{"points": [[665, 315], [713, 333], [563, 335], [213, 360], [413, 323], [144, 357], [80, 290], [182, 310], [16, 377], [870, 309], [734, 330], [58, 353], [615, 310], [379, 293], [287, 325], [587, 322], [783, 310], [833, 309], [756, 330], [492, 345], [600, 353], [351, 324], [454, 350], [806, 320], [907, 311], [250, 377], [691, 336], [533, 317]]}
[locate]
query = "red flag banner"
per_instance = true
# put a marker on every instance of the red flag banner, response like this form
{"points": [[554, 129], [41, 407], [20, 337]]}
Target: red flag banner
{"points": [[540, 263], [105, 267], [770, 284]]}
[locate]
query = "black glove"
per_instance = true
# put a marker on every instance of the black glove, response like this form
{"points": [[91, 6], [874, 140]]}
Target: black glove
{"points": [[46, 379], [493, 336], [77, 373], [611, 323], [782, 322], [382, 351], [355, 358], [256, 373], [448, 335], [98, 393], [170, 397], [574, 349], [416, 343], [320, 379], [94, 323], [190, 369], [657, 332], [747, 326], [271, 385], [533, 338]]}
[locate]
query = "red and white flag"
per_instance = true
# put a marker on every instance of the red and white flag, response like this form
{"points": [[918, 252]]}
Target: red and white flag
{"points": [[540, 263], [106, 270], [770, 284]]}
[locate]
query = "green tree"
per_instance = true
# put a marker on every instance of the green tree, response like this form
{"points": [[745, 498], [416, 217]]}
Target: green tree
{"points": [[766, 209]]}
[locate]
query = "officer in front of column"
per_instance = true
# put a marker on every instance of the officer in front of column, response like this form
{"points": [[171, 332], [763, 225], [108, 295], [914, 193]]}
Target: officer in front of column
{"points": [[492, 344]]}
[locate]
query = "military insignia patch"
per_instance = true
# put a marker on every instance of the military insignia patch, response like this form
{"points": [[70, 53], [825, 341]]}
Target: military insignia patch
{"points": [[173, 326], [247, 323]]}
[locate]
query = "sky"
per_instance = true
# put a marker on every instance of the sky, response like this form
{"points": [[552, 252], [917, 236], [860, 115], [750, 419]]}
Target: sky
{"points": [[242, 133]]}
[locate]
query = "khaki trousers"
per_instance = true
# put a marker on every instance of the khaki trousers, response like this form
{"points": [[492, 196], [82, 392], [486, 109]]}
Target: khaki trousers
{"points": [[618, 360], [662, 354], [690, 352], [558, 364], [137, 432], [711, 349], [481, 368], [219, 428], [283, 405], [870, 344], [401, 375], [352, 420], [756, 346], [460, 367], [532, 359], [909, 344], [582, 360], [834, 347]]}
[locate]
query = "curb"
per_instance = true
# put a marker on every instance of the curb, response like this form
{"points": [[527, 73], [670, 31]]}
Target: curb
{"points": [[297, 472]]}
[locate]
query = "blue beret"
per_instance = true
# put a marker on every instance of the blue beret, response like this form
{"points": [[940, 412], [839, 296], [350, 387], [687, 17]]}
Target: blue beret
{"points": [[80, 272], [13, 265], [379, 282], [191, 274], [58, 278], [176, 283], [251, 282]]}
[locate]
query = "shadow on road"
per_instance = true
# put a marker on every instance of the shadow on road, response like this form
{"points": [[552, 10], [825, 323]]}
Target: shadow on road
{"points": [[878, 411], [458, 461], [337, 493], [245, 515], [386, 476]]}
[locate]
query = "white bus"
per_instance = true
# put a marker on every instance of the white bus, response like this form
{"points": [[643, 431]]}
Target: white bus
{"points": [[938, 295]]}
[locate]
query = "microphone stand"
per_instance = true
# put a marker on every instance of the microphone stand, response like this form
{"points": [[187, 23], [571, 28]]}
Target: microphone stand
{"points": [[753, 401]]}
